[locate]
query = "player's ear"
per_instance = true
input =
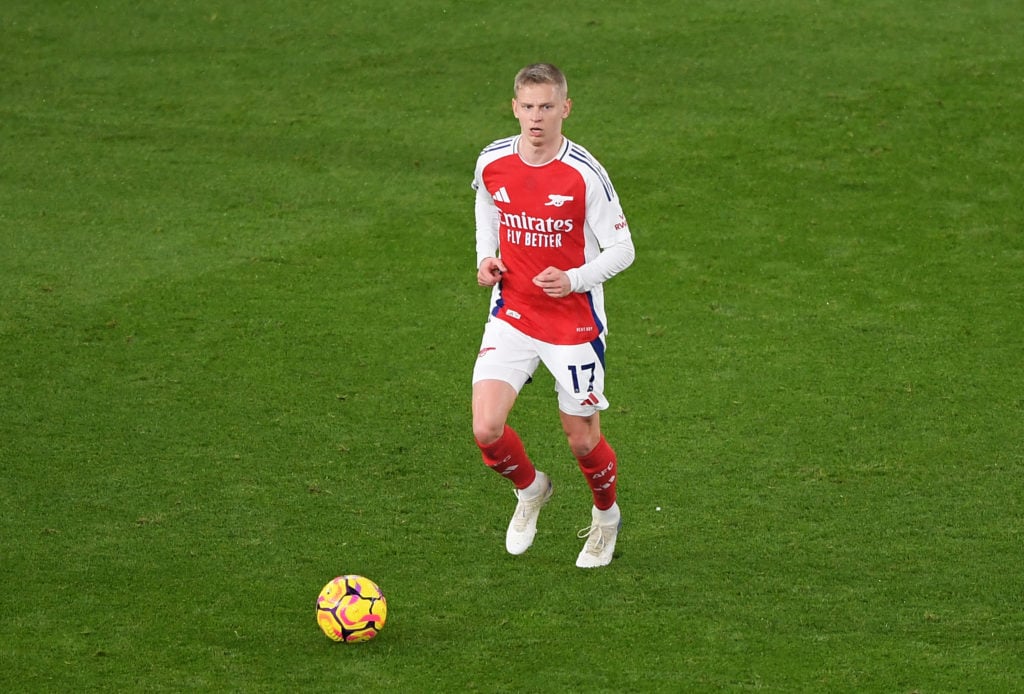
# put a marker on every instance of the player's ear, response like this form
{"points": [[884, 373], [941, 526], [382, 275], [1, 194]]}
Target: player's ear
{"points": [[566, 109]]}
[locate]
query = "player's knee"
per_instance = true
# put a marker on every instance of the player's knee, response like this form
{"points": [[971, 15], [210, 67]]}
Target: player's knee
{"points": [[582, 443], [486, 432]]}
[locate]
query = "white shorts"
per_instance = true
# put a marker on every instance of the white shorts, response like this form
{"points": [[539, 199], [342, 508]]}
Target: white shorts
{"points": [[508, 355]]}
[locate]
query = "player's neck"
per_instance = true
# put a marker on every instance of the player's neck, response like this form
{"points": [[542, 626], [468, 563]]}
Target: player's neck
{"points": [[542, 154]]}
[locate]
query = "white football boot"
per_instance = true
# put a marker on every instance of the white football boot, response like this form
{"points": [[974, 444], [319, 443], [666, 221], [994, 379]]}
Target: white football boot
{"points": [[523, 526], [601, 535]]}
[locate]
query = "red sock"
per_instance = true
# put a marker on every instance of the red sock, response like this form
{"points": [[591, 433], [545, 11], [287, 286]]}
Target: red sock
{"points": [[507, 457], [600, 468]]}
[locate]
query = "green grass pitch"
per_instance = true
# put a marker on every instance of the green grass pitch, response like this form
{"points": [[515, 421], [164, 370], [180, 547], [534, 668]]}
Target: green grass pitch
{"points": [[238, 316]]}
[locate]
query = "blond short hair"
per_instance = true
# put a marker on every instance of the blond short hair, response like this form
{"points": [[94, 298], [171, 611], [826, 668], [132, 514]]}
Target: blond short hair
{"points": [[542, 73]]}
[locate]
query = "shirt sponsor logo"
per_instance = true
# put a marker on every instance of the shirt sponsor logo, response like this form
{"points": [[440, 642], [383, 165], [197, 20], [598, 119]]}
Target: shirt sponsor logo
{"points": [[536, 232], [525, 222]]}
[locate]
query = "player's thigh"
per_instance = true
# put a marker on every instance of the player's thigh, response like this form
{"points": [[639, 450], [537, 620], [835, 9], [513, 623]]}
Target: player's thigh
{"points": [[492, 402]]}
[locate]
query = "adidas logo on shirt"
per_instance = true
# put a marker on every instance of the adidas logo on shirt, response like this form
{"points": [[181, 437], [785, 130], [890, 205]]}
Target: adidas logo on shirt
{"points": [[501, 195]]}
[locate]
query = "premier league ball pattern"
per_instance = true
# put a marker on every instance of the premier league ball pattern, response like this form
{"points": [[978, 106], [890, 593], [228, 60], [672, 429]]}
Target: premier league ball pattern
{"points": [[351, 609]]}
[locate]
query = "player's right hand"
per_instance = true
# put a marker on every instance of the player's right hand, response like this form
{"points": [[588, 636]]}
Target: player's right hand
{"points": [[490, 271]]}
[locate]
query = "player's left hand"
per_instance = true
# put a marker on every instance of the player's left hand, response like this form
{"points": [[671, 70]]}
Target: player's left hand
{"points": [[554, 282]]}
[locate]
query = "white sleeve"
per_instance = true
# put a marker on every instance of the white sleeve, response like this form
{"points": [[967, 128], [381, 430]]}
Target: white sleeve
{"points": [[607, 222], [612, 260], [486, 223]]}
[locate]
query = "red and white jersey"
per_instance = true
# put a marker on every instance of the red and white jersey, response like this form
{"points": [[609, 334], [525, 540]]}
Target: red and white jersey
{"points": [[558, 214]]}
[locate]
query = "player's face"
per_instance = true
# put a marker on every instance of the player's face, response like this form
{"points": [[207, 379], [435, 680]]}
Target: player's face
{"points": [[540, 110]]}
